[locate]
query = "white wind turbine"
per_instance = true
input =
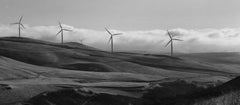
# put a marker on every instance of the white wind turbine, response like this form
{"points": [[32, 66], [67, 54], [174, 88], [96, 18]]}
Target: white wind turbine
{"points": [[171, 41], [20, 26], [111, 38], [61, 31]]}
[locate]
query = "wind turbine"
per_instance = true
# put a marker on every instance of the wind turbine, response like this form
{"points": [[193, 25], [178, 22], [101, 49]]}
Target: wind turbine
{"points": [[111, 38], [171, 41], [61, 31], [81, 41], [20, 26]]}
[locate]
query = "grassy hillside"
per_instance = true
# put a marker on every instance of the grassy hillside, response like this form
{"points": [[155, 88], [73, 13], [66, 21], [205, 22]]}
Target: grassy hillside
{"points": [[80, 57], [30, 68], [20, 81], [228, 61]]}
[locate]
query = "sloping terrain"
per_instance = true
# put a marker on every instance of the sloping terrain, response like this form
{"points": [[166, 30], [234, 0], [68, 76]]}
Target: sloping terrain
{"points": [[84, 58], [231, 98], [225, 94], [20, 81], [169, 93], [31, 68], [228, 61]]}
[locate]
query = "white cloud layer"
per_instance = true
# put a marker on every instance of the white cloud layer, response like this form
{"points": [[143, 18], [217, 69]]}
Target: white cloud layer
{"points": [[201, 40]]}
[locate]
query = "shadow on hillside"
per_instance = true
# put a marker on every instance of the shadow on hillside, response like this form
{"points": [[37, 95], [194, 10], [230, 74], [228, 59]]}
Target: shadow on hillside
{"points": [[173, 93], [95, 67], [182, 93], [170, 93], [78, 97]]}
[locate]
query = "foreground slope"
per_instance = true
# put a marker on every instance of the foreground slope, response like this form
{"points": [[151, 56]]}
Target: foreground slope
{"points": [[225, 94]]}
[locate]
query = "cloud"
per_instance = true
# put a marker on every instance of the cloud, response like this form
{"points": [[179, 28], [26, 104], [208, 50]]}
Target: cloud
{"points": [[198, 40]]}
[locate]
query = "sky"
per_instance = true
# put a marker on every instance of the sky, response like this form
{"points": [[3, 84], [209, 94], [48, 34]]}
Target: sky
{"points": [[204, 25]]}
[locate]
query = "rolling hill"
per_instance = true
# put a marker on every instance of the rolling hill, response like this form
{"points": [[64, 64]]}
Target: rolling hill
{"points": [[31, 68]]}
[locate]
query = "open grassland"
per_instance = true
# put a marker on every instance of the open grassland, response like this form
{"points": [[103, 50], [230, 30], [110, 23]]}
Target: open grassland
{"points": [[30, 69]]}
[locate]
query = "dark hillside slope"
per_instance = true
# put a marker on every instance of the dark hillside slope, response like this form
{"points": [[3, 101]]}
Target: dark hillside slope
{"points": [[173, 93], [230, 86], [225, 94]]}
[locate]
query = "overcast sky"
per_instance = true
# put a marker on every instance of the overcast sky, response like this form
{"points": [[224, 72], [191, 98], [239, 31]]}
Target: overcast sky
{"points": [[145, 21], [125, 14]]}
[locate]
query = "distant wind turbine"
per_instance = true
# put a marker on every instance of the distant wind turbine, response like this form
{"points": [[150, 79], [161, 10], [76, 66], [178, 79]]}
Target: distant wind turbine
{"points": [[171, 41], [81, 41], [20, 26], [111, 38], [61, 31]]}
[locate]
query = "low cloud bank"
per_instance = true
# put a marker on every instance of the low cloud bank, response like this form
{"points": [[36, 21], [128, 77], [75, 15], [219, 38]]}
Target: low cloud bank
{"points": [[201, 40]]}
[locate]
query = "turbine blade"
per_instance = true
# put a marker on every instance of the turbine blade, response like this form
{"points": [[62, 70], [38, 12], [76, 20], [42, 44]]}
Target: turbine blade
{"points": [[109, 39], [14, 23], [60, 25], [59, 32], [169, 34], [108, 31], [178, 39], [117, 34], [22, 26], [168, 43], [67, 30], [20, 20]]}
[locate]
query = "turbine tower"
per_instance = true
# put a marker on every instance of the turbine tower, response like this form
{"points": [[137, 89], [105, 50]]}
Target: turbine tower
{"points": [[171, 41], [111, 38], [61, 31], [20, 26]]}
